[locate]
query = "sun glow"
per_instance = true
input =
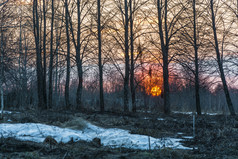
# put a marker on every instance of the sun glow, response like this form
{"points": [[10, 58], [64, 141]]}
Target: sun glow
{"points": [[156, 91]]}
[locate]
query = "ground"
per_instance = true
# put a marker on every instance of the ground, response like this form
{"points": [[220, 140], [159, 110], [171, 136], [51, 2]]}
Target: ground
{"points": [[216, 135]]}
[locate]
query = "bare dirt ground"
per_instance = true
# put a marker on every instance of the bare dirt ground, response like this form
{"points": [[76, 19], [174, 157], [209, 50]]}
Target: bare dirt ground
{"points": [[216, 136]]}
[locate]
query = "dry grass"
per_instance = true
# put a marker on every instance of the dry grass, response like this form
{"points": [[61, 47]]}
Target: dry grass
{"points": [[76, 123]]}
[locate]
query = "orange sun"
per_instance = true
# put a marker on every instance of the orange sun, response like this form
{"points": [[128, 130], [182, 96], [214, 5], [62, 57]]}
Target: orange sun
{"points": [[155, 91]]}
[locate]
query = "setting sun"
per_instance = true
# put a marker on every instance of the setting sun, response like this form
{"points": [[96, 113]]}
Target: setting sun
{"points": [[156, 91]]}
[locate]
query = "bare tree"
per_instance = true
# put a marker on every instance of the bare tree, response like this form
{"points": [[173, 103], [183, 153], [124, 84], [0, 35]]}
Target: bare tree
{"points": [[51, 56], [1, 78], [57, 67], [40, 84], [80, 42], [78, 59], [126, 79], [220, 63], [168, 28], [19, 63], [197, 95], [1, 60], [24, 71], [44, 53], [133, 95], [164, 42], [67, 103], [100, 57]]}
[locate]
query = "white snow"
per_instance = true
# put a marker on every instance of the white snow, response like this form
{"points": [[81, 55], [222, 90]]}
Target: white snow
{"points": [[190, 113], [8, 112], [160, 119], [178, 112], [109, 137], [212, 114], [188, 137]]}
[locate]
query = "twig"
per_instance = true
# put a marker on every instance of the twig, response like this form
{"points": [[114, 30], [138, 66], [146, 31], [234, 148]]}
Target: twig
{"points": [[65, 155]]}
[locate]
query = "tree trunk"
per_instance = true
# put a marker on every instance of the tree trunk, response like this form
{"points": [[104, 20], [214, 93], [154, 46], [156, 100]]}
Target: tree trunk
{"points": [[44, 51], [165, 49], [80, 86], [197, 95], [56, 69], [67, 103], [57, 75], [77, 45], [79, 61], [126, 78], [25, 71], [133, 93], [20, 68], [51, 57], [1, 78], [41, 103], [2, 100], [100, 57], [220, 64]]}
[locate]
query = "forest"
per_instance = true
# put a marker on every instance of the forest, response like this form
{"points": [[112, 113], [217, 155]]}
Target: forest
{"points": [[118, 78]]}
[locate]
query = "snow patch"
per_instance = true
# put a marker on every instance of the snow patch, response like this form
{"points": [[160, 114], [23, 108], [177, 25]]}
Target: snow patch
{"points": [[188, 137], [211, 114], [178, 112], [9, 112], [109, 137], [161, 119], [190, 113]]}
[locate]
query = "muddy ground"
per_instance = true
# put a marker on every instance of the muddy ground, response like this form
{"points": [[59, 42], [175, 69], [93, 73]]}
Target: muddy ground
{"points": [[216, 135]]}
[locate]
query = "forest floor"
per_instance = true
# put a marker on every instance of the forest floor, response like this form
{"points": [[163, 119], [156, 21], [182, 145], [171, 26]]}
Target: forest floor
{"points": [[216, 135]]}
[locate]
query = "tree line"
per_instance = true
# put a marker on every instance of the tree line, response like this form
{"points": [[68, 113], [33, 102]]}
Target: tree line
{"points": [[50, 45]]}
